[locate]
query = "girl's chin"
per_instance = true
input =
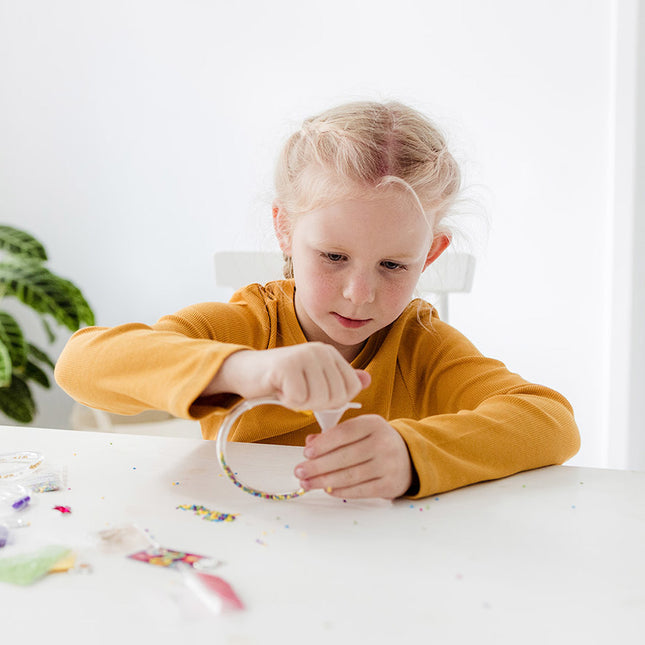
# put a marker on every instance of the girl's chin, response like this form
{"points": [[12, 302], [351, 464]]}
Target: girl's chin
{"points": [[347, 341]]}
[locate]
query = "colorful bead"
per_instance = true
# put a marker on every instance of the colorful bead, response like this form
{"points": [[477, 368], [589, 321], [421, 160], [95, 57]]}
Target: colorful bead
{"points": [[257, 493], [207, 514]]}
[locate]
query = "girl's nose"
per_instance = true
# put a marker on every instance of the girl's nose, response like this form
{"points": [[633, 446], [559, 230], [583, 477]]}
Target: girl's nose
{"points": [[359, 288]]}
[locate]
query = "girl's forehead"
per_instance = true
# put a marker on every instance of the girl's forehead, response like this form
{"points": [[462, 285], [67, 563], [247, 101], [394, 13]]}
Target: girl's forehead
{"points": [[392, 209], [387, 222]]}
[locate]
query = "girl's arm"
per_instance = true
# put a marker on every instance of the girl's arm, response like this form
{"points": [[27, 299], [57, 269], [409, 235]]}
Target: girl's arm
{"points": [[509, 433], [469, 420], [134, 367], [201, 359], [479, 421]]}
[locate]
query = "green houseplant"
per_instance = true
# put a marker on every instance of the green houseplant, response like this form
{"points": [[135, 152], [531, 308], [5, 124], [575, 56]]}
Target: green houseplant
{"points": [[24, 276]]}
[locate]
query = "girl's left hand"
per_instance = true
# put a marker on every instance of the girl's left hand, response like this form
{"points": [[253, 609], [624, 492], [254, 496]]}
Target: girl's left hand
{"points": [[362, 457]]}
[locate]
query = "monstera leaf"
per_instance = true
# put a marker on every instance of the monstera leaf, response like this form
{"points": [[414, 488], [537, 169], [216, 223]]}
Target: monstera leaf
{"points": [[55, 300]]}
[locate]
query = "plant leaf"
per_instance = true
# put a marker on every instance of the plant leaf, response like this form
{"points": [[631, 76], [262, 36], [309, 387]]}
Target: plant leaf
{"points": [[51, 336], [83, 309], [16, 401], [11, 336], [5, 365], [17, 242], [33, 373], [38, 354], [40, 289]]}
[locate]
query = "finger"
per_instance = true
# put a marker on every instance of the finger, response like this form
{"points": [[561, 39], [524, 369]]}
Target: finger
{"points": [[365, 490], [315, 385], [290, 386], [348, 382], [342, 479], [364, 377], [318, 385], [340, 382], [349, 456], [335, 384], [345, 433]]}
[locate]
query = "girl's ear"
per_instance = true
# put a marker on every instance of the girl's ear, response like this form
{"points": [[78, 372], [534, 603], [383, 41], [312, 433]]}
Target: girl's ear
{"points": [[282, 228], [439, 244]]}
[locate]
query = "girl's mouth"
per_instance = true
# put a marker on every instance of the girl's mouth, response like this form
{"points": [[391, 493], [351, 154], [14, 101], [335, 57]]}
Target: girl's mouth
{"points": [[350, 323]]}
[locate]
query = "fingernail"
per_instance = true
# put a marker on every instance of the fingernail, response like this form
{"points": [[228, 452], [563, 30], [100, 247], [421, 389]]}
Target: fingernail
{"points": [[308, 452], [304, 484], [299, 472]]}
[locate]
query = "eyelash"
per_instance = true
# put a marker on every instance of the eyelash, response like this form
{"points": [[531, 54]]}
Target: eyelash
{"points": [[336, 258], [394, 266]]}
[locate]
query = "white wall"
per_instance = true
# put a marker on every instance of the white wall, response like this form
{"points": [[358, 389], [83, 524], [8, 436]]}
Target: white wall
{"points": [[139, 137], [636, 442], [624, 411]]}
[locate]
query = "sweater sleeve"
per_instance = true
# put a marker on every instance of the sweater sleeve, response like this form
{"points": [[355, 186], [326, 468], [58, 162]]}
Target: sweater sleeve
{"points": [[134, 367], [476, 420]]}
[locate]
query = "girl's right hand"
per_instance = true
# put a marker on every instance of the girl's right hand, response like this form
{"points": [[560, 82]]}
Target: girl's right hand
{"points": [[311, 376]]}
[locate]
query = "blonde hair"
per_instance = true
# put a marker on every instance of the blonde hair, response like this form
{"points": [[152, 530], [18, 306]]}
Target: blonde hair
{"points": [[352, 149]]}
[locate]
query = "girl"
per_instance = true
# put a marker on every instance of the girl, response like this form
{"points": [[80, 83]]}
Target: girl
{"points": [[362, 191]]}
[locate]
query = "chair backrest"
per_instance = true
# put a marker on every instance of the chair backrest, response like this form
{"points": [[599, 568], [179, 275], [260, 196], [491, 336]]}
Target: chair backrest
{"points": [[452, 272], [236, 269]]}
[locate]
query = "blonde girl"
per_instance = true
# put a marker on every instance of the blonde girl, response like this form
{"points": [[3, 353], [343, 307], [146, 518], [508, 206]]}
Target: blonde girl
{"points": [[361, 196]]}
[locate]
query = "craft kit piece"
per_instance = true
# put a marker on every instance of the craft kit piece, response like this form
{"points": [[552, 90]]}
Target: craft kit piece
{"points": [[26, 568], [44, 480], [17, 464], [15, 522], [13, 497], [124, 539], [214, 592], [162, 557], [66, 563], [325, 418]]}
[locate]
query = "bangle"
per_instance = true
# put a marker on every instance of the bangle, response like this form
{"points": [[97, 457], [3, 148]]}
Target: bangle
{"points": [[222, 438], [325, 418]]}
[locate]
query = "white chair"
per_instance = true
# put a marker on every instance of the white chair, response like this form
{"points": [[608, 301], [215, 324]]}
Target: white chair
{"points": [[452, 272]]}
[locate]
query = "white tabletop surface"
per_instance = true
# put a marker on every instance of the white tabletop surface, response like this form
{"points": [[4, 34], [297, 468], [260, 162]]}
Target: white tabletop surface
{"points": [[555, 555]]}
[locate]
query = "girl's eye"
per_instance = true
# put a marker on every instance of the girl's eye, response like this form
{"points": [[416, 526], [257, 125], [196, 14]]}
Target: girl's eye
{"points": [[392, 266], [334, 257]]}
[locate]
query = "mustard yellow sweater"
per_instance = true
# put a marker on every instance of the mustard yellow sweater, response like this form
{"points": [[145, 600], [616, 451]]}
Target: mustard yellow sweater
{"points": [[464, 417]]}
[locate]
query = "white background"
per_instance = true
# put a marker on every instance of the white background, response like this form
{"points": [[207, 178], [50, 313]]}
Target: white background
{"points": [[138, 137]]}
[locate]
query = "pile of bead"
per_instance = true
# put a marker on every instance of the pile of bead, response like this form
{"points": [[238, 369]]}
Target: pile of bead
{"points": [[207, 514]]}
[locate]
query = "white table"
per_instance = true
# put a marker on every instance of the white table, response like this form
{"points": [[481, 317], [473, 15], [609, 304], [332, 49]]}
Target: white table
{"points": [[555, 555]]}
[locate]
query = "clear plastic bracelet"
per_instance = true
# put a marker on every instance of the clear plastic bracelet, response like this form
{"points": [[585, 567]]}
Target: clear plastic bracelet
{"points": [[325, 418], [17, 464]]}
